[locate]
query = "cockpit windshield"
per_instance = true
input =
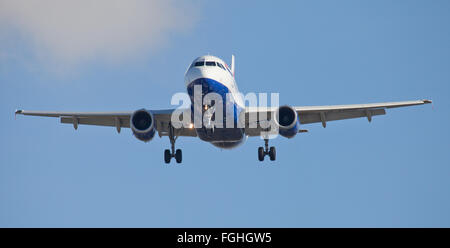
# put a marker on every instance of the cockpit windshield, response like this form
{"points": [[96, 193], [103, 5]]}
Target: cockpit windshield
{"points": [[211, 63], [199, 63]]}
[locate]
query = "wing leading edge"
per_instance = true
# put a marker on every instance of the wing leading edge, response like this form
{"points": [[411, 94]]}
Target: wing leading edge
{"points": [[324, 114], [112, 119]]}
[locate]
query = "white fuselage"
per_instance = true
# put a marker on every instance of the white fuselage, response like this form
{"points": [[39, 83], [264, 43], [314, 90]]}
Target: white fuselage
{"points": [[214, 76]]}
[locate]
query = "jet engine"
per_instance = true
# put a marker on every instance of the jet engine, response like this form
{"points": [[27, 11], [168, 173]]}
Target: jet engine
{"points": [[287, 121], [142, 124]]}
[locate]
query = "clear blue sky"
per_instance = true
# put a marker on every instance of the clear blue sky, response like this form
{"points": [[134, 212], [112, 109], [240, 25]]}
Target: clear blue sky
{"points": [[393, 172]]}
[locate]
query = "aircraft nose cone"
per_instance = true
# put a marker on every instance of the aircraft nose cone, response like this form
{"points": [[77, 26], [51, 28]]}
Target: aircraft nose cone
{"points": [[195, 73]]}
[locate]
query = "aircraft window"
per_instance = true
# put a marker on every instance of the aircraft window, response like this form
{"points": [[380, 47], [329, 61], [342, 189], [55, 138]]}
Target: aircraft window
{"points": [[220, 65], [200, 63], [210, 63]]}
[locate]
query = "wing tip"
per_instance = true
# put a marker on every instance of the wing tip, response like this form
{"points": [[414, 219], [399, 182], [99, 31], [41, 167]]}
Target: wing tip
{"points": [[425, 101], [18, 111]]}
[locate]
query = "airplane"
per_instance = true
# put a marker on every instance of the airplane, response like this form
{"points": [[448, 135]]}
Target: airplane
{"points": [[212, 75]]}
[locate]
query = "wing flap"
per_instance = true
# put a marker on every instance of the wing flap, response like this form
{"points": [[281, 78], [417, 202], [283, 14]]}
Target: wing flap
{"points": [[313, 117], [98, 121], [163, 130]]}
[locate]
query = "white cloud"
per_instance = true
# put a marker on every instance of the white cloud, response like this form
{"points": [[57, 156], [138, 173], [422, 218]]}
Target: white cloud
{"points": [[76, 31]]}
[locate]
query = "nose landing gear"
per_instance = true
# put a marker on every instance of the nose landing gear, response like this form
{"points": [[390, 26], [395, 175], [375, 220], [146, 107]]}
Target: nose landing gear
{"points": [[263, 151]]}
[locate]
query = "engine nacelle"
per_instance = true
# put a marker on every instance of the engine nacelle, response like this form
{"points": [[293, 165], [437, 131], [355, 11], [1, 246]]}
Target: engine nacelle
{"points": [[287, 121], [142, 124]]}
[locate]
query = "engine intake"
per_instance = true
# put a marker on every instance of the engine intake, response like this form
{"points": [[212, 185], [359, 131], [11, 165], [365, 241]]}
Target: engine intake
{"points": [[142, 124], [287, 121]]}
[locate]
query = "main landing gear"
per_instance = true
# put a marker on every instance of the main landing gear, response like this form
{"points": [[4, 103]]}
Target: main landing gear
{"points": [[263, 151], [169, 154]]}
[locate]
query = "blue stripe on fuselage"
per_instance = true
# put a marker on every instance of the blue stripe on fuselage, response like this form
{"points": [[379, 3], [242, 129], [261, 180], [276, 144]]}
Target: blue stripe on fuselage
{"points": [[229, 135]]}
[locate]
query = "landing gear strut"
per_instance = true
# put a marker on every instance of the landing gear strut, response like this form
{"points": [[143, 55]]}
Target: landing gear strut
{"points": [[263, 151], [169, 154]]}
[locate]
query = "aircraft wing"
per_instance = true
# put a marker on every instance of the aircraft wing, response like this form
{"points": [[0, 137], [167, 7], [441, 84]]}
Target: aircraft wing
{"points": [[113, 119], [324, 114]]}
